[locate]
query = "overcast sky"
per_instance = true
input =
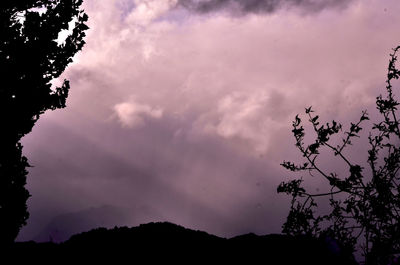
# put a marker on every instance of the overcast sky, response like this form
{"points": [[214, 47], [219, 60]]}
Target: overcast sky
{"points": [[181, 110]]}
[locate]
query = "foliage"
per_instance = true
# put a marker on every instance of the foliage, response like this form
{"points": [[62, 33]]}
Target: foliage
{"points": [[365, 204], [30, 58]]}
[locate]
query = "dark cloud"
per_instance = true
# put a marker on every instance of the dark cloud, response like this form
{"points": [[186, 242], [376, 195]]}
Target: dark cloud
{"points": [[228, 92], [241, 7], [76, 173]]}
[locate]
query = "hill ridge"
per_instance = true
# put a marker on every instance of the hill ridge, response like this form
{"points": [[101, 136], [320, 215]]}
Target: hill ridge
{"points": [[164, 241]]}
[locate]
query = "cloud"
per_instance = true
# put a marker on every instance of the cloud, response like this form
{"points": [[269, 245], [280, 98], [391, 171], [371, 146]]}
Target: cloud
{"points": [[132, 114], [190, 116], [147, 10], [241, 80], [240, 115], [258, 6]]}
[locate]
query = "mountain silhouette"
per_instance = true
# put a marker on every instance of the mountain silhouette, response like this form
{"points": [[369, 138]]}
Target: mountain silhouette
{"points": [[166, 242]]}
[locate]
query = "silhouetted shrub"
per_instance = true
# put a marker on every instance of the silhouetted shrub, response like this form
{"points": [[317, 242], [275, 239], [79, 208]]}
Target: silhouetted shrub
{"points": [[365, 204]]}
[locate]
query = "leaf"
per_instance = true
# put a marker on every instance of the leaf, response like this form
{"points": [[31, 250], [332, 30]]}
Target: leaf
{"points": [[314, 148], [364, 117], [309, 110], [313, 120], [297, 121]]}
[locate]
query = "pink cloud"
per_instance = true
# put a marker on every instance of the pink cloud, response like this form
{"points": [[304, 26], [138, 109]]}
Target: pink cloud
{"points": [[325, 60], [214, 97], [132, 114]]}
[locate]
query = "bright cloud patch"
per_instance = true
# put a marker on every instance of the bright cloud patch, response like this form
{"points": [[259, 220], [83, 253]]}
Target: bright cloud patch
{"points": [[131, 114], [147, 10]]}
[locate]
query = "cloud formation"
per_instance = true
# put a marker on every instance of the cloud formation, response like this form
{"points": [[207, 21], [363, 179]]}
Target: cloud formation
{"points": [[258, 6], [186, 118], [146, 11], [132, 114]]}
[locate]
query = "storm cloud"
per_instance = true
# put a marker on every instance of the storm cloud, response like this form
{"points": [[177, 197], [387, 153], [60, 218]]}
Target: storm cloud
{"points": [[180, 117], [241, 7]]}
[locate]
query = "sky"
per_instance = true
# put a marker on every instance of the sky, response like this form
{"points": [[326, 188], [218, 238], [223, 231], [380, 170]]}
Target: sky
{"points": [[181, 110]]}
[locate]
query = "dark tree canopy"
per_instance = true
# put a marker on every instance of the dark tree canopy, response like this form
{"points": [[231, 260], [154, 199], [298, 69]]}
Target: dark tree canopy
{"points": [[364, 203], [30, 58]]}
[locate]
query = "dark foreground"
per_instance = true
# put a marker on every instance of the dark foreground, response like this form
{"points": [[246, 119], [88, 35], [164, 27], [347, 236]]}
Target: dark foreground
{"points": [[166, 243]]}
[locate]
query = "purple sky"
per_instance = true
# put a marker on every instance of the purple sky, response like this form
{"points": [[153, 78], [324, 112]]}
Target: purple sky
{"points": [[181, 111]]}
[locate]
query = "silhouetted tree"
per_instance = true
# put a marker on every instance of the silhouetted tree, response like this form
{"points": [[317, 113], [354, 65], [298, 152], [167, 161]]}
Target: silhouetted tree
{"points": [[364, 204], [30, 57]]}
